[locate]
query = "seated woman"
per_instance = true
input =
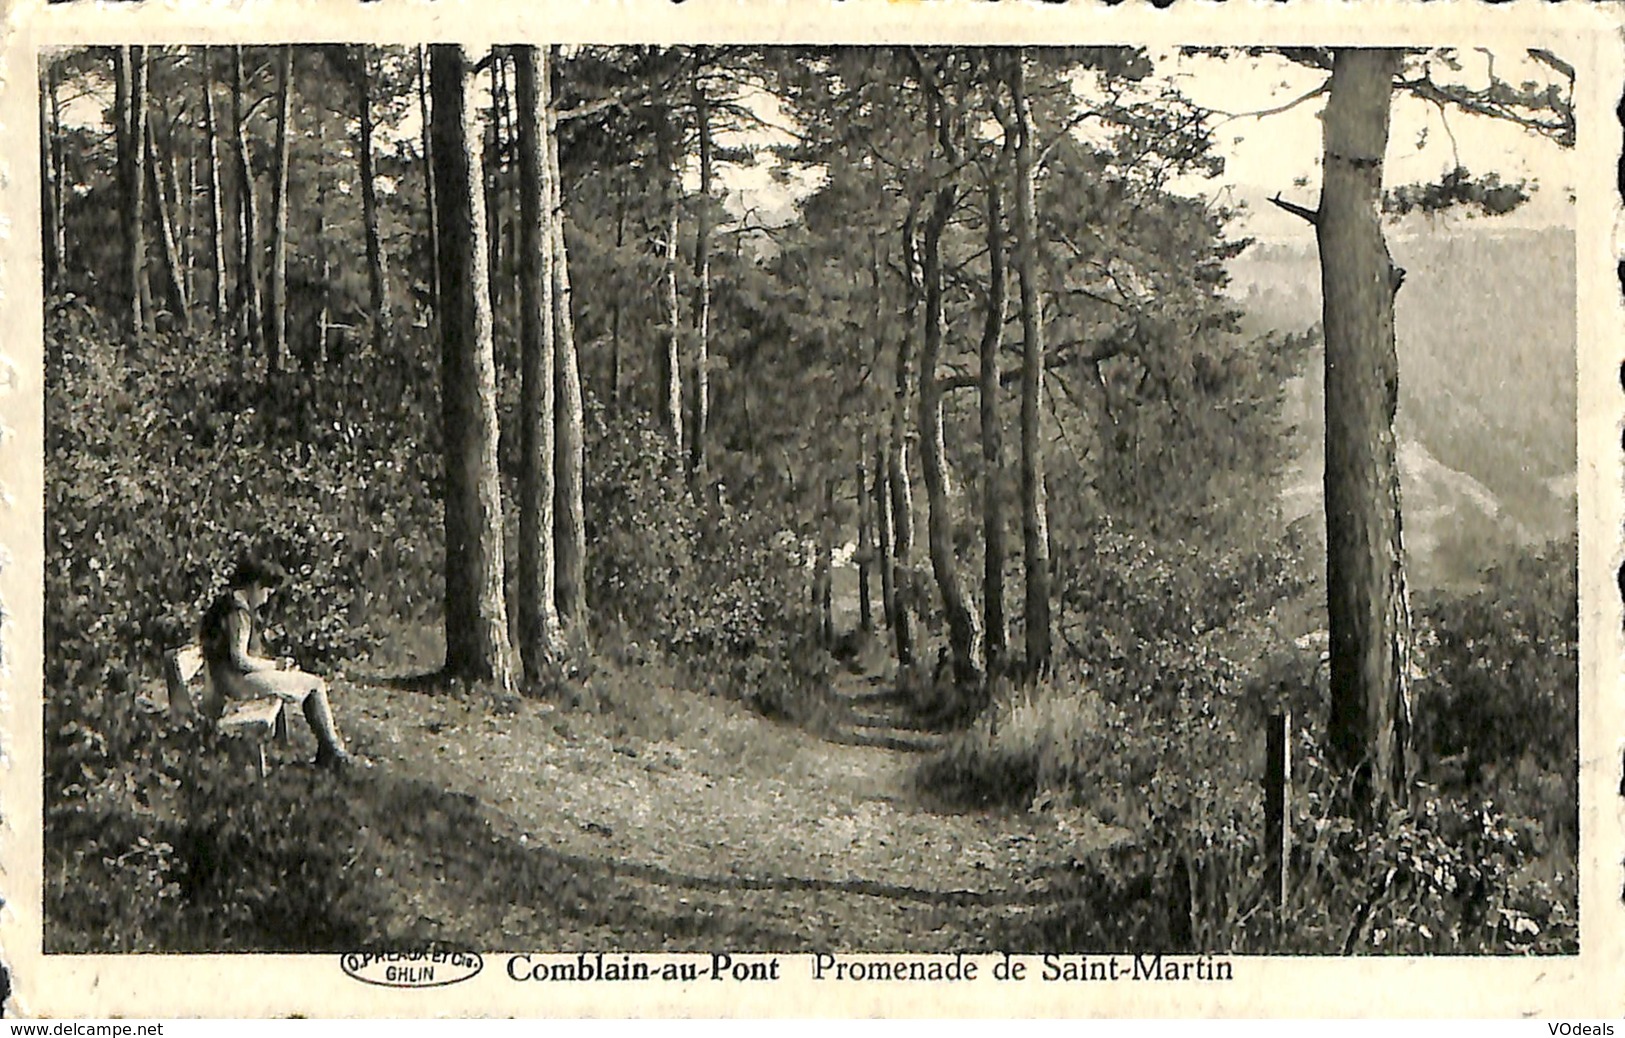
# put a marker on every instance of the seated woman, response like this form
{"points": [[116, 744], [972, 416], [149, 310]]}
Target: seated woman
{"points": [[227, 636]]}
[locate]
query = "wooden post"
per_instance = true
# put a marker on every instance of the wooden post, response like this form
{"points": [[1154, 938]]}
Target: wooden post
{"points": [[1277, 783]]}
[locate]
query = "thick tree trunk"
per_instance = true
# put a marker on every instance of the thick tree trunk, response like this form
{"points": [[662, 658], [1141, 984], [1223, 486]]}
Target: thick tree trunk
{"points": [[993, 554], [669, 406], [276, 311], [428, 180], [569, 432], [1365, 580], [1034, 521], [964, 640], [217, 217], [248, 275], [539, 634], [376, 287], [477, 644], [701, 403], [173, 277]]}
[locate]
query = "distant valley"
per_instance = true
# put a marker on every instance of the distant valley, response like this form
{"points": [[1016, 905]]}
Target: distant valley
{"points": [[1487, 342]]}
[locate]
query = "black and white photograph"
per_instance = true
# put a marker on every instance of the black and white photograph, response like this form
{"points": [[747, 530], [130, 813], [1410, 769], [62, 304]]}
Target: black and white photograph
{"points": [[814, 511]]}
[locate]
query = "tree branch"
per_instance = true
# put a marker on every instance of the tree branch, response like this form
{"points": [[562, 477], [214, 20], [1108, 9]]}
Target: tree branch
{"points": [[1311, 215]]}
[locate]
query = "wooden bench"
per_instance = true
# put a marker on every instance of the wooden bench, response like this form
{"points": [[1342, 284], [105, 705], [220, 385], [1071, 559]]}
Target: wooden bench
{"points": [[255, 720]]}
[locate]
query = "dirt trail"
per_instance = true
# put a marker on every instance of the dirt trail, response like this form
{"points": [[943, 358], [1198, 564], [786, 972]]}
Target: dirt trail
{"points": [[693, 822]]}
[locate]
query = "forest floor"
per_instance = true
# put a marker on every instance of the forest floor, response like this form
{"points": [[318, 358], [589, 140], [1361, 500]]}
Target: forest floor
{"points": [[659, 818]]}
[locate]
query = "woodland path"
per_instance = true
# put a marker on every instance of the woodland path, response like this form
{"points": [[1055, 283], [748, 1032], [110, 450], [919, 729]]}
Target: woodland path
{"points": [[687, 822]]}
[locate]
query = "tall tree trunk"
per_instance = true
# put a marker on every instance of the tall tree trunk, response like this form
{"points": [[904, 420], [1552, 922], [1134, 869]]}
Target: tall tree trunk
{"points": [[1034, 521], [964, 640], [615, 297], [217, 217], [823, 563], [50, 241], [569, 432], [248, 276], [174, 283], [539, 635], [866, 547], [476, 613], [493, 179], [882, 484], [669, 405], [883, 532], [276, 312], [317, 357], [1365, 579], [428, 180], [58, 193], [902, 507], [130, 100], [378, 296], [993, 554], [702, 289]]}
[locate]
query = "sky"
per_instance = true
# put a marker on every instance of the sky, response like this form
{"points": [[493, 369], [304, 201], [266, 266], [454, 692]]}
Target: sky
{"points": [[1263, 155], [1266, 154]]}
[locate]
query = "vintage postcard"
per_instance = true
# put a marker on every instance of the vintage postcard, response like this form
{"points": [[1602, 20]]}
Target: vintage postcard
{"points": [[811, 509]]}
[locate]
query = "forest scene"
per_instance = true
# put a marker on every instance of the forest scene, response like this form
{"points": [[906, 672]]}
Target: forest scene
{"points": [[880, 499]]}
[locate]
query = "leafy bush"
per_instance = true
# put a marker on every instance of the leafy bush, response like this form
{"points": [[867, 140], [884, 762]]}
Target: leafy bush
{"points": [[1500, 691], [177, 847], [1159, 734], [721, 590], [160, 469]]}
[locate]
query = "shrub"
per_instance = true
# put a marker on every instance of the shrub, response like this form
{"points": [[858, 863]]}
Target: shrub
{"points": [[1159, 735], [177, 847], [722, 590], [159, 472]]}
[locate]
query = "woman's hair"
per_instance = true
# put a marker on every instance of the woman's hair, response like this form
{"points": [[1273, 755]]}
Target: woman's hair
{"points": [[251, 569]]}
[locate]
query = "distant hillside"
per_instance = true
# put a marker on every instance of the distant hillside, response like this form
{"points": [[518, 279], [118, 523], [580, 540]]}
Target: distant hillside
{"points": [[1486, 335]]}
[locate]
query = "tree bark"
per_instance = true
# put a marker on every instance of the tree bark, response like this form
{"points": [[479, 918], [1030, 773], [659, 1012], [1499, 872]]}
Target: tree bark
{"points": [[569, 432], [701, 403], [540, 633], [615, 299], [1034, 521], [902, 508], [964, 640], [476, 619], [248, 276], [995, 633], [866, 547], [217, 218], [669, 406], [376, 285], [130, 100], [493, 178], [823, 564], [173, 277], [1365, 579], [50, 181], [883, 532], [276, 312], [428, 180]]}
